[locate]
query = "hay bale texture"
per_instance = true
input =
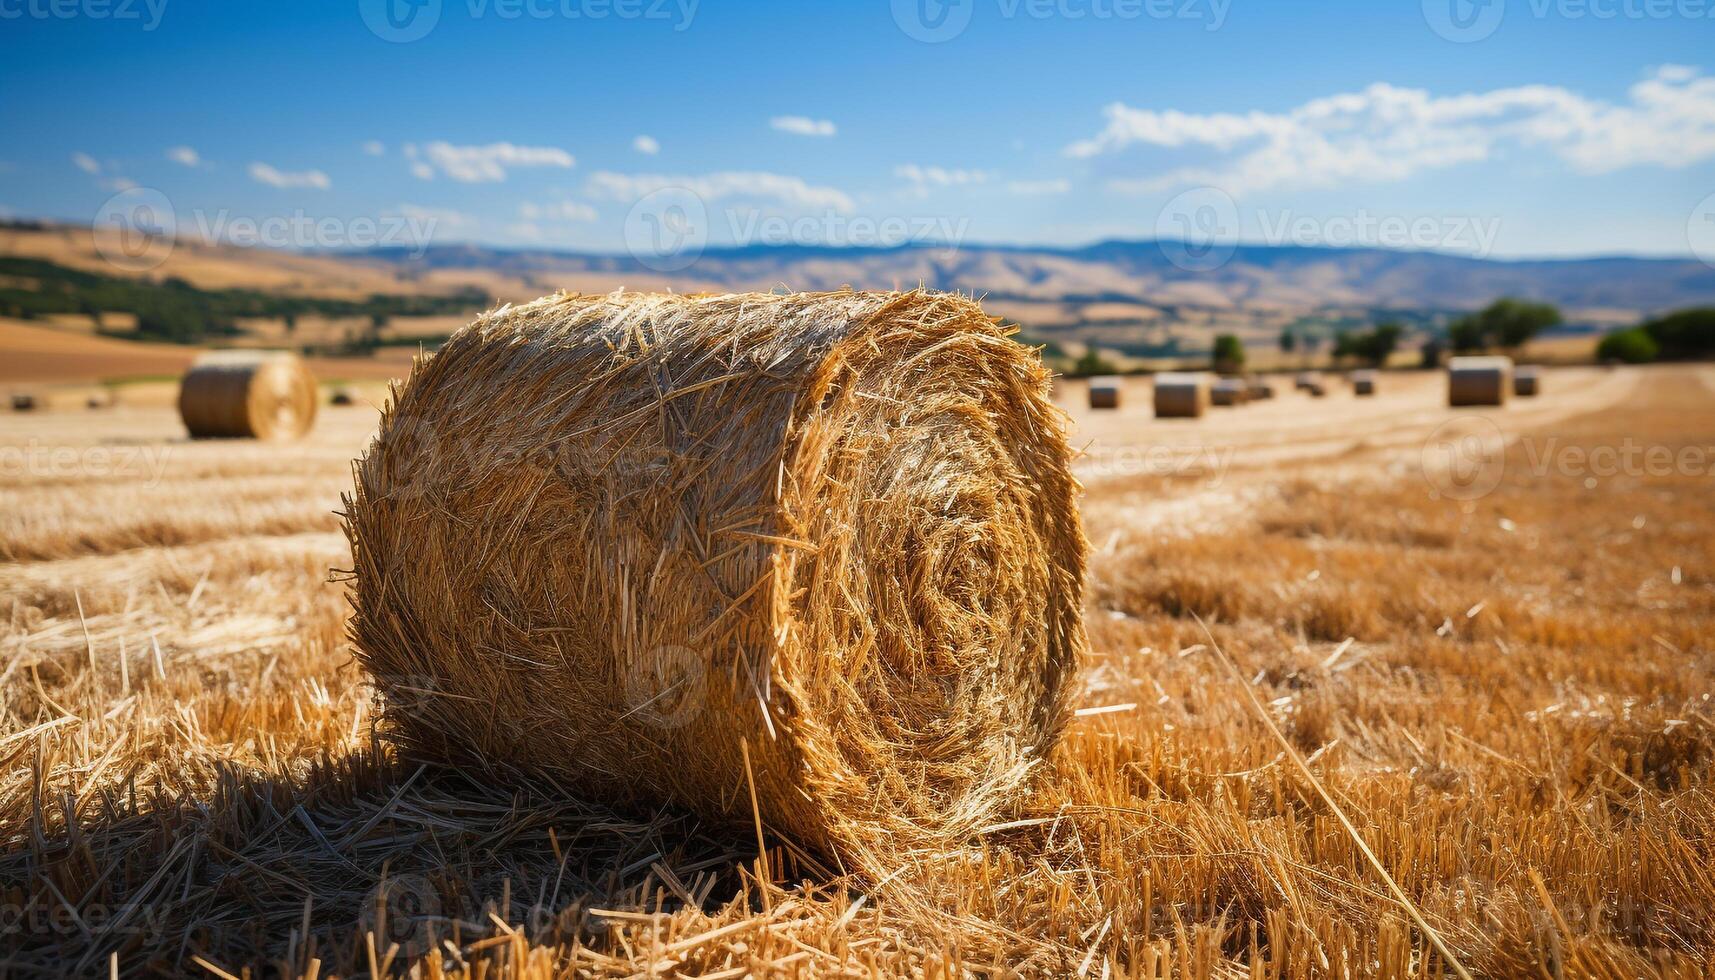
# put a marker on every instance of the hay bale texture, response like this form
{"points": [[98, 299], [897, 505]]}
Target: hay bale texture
{"points": [[248, 395], [1478, 380], [1527, 382], [1181, 395], [614, 540], [1229, 392], [1104, 392]]}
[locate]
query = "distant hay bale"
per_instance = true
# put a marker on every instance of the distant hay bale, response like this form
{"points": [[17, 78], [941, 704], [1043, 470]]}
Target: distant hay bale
{"points": [[1478, 380], [1181, 395], [1527, 382], [1104, 392], [1260, 390], [1306, 380], [1363, 383], [24, 403], [618, 541], [1229, 392], [342, 397], [248, 395]]}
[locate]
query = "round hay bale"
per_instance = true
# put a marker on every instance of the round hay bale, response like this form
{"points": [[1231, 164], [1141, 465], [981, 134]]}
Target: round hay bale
{"points": [[1478, 380], [620, 541], [1105, 392], [342, 397], [24, 403], [1363, 383], [1307, 380], [1228, 392], [1181, 395], [1260, 390], [248, 395], [1527, 381]]}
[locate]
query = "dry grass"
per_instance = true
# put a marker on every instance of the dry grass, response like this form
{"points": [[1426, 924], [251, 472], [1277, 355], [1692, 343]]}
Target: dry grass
{"points": [[1520, 726]]}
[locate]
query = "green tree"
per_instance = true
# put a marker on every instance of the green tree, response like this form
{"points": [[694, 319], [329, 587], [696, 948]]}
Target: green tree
{"points": [[1685, 333], [1633, 346], [1288, 341], [1507, 322], [1229, 357], [1432, 351], [1090, 363]]}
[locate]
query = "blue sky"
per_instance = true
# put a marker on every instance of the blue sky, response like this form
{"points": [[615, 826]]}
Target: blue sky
{"points": [[1567, 127]]}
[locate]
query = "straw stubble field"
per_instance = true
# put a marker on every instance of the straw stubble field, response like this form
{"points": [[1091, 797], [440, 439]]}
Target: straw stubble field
{"points": [[1508, 696]]}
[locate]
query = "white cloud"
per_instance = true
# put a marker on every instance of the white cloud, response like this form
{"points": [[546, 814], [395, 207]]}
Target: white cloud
{"points": [[184, 155], [85, 163], [444, 218], [374, 148], [1386, 133], [262, 173], [557, 211], [490, 163], [803, 125], [1035, 188], [422, 171], [743, 185], [646, 145], [117, 184], [923, 178]]}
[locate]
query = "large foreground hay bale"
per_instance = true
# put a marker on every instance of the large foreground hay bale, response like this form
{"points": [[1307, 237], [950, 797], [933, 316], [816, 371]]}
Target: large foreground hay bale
{"points": [[1104, 392], [1527, 382], [1229, 392], [611, 540], [248, 395], [1363, 383], [1478, 380], [1181, 395]]}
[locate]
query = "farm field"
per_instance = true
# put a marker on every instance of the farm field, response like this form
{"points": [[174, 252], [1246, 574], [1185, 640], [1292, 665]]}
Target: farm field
{"points": [[1498, 666]]}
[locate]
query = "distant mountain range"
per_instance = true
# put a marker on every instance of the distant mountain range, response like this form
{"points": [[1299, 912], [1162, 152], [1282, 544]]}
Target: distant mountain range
{"points": [[1254, 278]]}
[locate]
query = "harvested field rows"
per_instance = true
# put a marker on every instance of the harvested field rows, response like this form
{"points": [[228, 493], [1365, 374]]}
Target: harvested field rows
{"points": [[1510, 696]]}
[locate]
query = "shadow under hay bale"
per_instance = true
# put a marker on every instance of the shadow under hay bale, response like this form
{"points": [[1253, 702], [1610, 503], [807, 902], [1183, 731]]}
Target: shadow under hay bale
{"points": [[1104, 393], [1181, 395], [1478, 380], [1527, 382], [248, 395], [1229, 392], [822, 548]]}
